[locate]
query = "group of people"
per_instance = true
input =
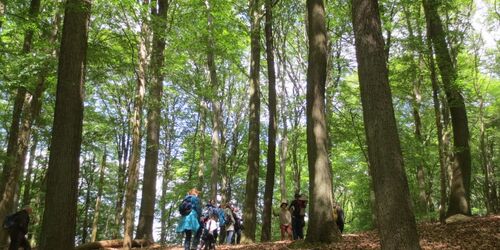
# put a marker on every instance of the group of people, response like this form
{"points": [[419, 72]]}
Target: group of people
{"points": [[202, 226], [292, 218]]}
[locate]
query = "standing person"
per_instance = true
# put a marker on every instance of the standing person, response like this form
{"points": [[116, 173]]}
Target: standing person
{"points": [[238, 226], [285, 221], [339, 217], [18, 228], [190, 210], [298, 210], [208, 236], [228, 215]]}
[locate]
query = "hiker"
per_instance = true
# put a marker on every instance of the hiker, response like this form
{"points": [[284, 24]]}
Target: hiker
{"points": [[209, 230], [285, 221], [237, 226], [190, 222], [18, 228], [339, 217], [211, 210], [228, 216], [298, 210]]}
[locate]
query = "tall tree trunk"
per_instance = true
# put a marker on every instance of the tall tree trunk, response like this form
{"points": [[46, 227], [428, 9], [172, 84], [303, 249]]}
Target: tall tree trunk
{"points": [[271, 147], [252, 185], [123, 145], [100, 188], [59, 219], [201, 163], [169, 129], [460, 189], [90, 183], [396, 221], [320, 173], [283, 149], [440, 136], [416, 104], [133, 169], [146, 215], [27, 180], [216, 104]]}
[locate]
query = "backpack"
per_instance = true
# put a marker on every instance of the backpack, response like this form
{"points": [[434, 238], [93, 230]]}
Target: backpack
{"points": [[220, 213], [9, 221], [186, 206]]}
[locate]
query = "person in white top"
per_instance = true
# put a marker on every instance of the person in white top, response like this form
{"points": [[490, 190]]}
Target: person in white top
{"points": [[208, 239]]}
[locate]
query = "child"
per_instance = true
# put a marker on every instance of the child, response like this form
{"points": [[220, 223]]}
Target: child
{"points": [[208, 239]]}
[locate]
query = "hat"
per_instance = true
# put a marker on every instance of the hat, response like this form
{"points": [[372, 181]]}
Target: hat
{"points": [[194, 191]]}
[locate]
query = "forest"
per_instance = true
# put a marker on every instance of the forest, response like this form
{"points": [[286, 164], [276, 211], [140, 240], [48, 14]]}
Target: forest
{"points": [[111, 110]]}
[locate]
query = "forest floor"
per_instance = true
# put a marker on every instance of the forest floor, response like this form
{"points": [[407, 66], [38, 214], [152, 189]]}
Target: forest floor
{"points": [[478, 233]]}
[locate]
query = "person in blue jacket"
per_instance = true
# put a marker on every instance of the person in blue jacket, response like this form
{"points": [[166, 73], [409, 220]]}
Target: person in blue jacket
{"points": [[190, 223]]}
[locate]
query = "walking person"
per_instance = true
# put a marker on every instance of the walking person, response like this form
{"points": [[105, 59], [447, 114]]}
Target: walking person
{"points": [[285, 221], [17, 225], [298, 210], [339, 217], [190, 210], [228, 215]]}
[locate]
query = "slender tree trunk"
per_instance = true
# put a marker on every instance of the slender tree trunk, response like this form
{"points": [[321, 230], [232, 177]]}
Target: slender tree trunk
{"points": [[100, 186], [252, 185], [133, 169], [26, 200], [439, 126], [320, 173], [90, 183], [59, 219], [392, 194], [271, 147], [201, 163], [416, 104], [146, 215], [123, 152], [283, 149], [216, 104], [12, 145], [169, 143], [460, 188], [10, 166]]}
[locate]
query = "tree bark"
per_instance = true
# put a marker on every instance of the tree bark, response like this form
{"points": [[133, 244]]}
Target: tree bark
{"points": [[100, 186], [460, 189], [396, 221], [59, 219], [146, 215], [320, 173], [271, 135], [216, 103], [416, 75], [27, 180], [133, 169], [440, 136], [252, 185]]}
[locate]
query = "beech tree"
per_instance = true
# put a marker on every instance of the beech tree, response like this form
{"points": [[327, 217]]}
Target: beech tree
{"points": [[59, 219], [390, 184]]}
